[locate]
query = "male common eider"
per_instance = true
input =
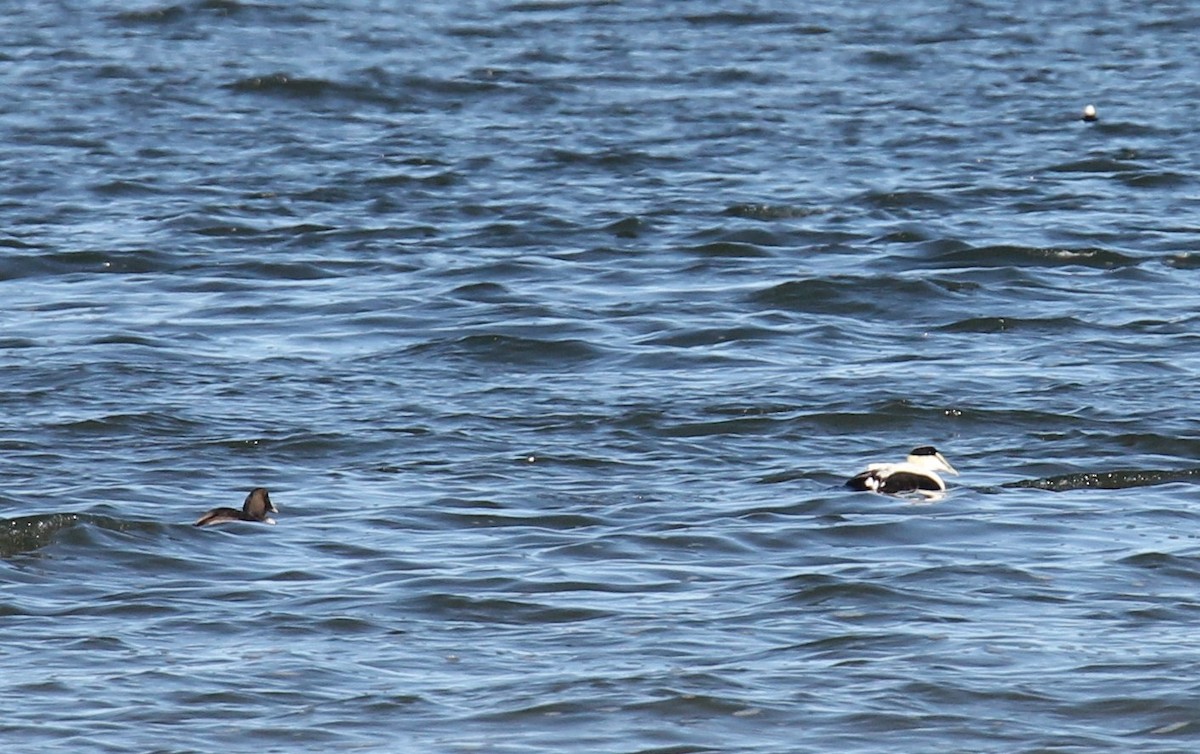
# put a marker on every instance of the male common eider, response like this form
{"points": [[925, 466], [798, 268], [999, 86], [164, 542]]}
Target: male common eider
{"points": [[257, 506], [918, 473]]}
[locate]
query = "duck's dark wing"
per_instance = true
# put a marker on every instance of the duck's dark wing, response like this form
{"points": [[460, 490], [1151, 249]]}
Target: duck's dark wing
{"points": [[867, 481], [219, 516], [907, 481]]}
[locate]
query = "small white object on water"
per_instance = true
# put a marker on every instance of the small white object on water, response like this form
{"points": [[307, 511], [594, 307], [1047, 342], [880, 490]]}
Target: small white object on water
{"points": [[1089, 114]]}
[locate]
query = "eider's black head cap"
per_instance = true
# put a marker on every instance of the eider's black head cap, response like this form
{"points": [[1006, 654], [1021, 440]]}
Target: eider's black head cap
{"points": [[924, 450]]}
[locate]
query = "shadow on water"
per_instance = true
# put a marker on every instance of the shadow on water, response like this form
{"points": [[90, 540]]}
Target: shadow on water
{"points": [[1109, 480]]}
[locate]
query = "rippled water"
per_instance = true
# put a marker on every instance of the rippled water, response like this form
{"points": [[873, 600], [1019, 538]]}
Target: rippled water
{"points": [[554, 329]]}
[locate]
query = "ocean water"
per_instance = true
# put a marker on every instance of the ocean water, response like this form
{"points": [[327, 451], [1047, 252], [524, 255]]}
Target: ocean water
{"points": [[554, 329]]}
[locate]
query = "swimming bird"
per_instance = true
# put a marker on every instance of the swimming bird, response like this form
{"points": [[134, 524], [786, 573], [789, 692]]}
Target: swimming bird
{"points": [[918, 473], [257, 506]]}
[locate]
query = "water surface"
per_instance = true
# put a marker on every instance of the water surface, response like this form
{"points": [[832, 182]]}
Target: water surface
{"points": [[554, 329]]}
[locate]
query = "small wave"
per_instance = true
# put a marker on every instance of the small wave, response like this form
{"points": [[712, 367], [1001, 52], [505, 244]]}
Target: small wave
{"points": [[627, 227], [503, 610], [31, 533], [171, 13], [1099, 164], [611, 158], [1040, 256], [1156, 179], [25, 534], [483, 292], [743, 18], [729, 250], [1005, 324], [906, 200], [772, 211], [144, 423], [1184, 260], [692, 337], [847, 294], [283, 84], [509, 350], [1109, 480], [50, 263]]}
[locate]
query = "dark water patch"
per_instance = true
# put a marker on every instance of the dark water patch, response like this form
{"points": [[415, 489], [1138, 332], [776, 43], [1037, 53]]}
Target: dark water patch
{"points": [[17, 266], [742, 18], [297, 270], [26, 534], [287, 86], [458, 608], [128, 187], [850, 295], [1177, 566], [1008, 324], [449, 92], [556, 6], [770, 213], [228, 230], [1110, 480], [907, 200], [618, 160], [307, 444], [511, 350], [437, 180], [132, 339], [142, 423], [1102, 164], [871, 417], [563, 460], [795, 475], [706, 337], [753, 236], [739, 426], [283, 83], [680, 701], [832, 591], [727, 76], [890, 59], [910, 234], [305, 229], [485, 292], [975, 580], [484, 31], [854, 647], [729, 250], [1027, 256], [172, 13], [1184, 260], [15, 243], [1155, 179]]}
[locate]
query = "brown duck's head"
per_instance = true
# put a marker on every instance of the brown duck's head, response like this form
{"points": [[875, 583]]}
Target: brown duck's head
{"points": [[258, 504]]}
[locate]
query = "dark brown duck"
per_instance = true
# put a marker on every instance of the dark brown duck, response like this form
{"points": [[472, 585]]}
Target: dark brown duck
{"points": [[257, 506]]}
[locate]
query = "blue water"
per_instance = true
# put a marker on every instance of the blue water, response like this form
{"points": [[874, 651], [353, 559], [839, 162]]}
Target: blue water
{"points": [[554, 329]]}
